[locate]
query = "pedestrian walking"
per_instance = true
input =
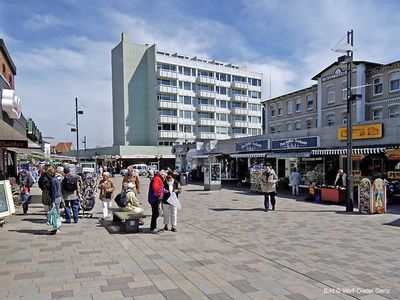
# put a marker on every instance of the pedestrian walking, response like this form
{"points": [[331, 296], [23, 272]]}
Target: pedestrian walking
{"points": [[69, 189], [295, 179], [45, 185], [171, 189], [155, 196], [56, 195], [106, 187], [340, 180], [268, 186], [131, 176]]}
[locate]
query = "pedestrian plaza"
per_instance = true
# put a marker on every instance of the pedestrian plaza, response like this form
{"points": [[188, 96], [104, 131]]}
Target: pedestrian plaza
{"points": [[226, 247]]}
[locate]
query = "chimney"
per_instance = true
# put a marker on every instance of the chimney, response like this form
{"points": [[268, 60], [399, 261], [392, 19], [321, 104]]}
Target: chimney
{"points": [[126, 37]]}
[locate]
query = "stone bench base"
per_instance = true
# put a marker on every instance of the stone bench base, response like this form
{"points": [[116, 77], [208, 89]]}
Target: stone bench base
{"points": [[129, 220]]}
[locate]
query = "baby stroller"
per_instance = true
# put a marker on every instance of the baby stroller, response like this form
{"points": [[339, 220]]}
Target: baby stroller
{"points": [[88, 195]]}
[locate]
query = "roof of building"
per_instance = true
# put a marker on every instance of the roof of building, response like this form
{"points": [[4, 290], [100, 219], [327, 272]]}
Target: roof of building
{"points": [[291, 93], [386, 65], [338, 63], [63, 147], [4, 48]]}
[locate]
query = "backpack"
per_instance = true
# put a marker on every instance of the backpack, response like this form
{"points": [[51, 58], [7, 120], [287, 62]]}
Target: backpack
{"points": [[45, 182], [70, 183], [121, 200]]}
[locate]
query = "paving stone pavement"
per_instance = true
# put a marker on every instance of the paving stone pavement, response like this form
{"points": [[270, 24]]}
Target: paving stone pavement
{"points": [[226, 247]]}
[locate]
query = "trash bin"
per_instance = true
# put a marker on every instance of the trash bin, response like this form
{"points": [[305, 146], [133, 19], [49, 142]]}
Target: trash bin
{"points": [[183, 179]]}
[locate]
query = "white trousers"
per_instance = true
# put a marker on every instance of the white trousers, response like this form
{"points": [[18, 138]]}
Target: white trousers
{"points": [[295, 190], [170, 214], [106, 206]]}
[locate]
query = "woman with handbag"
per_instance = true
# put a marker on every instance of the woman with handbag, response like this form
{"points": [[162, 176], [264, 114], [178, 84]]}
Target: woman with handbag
{"points": [[106, 187], [268, 186], [171, 189]]}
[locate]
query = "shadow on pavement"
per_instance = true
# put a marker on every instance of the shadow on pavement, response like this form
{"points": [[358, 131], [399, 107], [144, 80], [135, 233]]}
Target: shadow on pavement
{"points": [[239, 209], [36, 221], [393, 223], [116, 227], [33, 232]]}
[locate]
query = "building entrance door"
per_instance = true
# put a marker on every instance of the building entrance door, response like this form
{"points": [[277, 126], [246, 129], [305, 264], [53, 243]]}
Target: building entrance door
{"points": [[281, 168]]}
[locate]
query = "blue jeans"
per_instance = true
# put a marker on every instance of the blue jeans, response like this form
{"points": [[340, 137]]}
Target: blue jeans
{"points": [[74, 205]]}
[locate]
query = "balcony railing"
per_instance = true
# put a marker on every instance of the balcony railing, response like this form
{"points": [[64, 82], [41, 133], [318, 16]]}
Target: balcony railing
{"points": [[206, 80], [206, 122], [205, 107], [207, 135], [168, 104], [168, 134], [240, 85], [240, 124], [222, 123], [167, 74], [254, 88], [206, 94], [222, 97], [240, 98], [254, 113], [240, 111], [239, 135], [171, 89], [168, 119]]}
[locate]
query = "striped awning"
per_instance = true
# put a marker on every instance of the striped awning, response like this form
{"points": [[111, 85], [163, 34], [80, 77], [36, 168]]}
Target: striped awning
{"points": [[288, 154], [344, 151], [247, 155]]}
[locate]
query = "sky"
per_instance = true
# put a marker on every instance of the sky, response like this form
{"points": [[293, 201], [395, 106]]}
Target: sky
{"points": [[62, 48]]}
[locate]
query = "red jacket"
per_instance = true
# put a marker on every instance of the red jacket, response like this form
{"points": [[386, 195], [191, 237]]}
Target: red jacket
{"points": [[156, 189]]}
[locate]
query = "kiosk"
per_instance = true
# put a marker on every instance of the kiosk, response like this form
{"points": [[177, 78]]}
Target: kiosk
{"points": [[212, 177]]}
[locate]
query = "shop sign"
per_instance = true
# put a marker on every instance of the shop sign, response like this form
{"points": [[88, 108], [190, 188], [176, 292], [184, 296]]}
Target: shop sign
{"points": [[338, 73], [252, 146], [13, 144], [394, 175], [11, 104], [371, 131], [393, 154], [295, 143], [358, 157]]}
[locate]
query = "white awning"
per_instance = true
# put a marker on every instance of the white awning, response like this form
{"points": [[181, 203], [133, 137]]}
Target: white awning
{"points": [[344, 151], [247, 155]]}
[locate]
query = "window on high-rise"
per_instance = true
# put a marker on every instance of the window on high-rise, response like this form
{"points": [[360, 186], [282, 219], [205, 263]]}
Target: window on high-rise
{"points": [[272, 110], [377, 86], [185, 100], [297, 125], [289, 126], [280, 109], [394, 82], [186, 114], [308, 123]]}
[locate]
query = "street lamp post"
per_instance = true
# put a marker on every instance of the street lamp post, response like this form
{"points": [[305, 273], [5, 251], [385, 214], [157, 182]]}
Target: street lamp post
{"points": [[349, 177], [76, 129]]}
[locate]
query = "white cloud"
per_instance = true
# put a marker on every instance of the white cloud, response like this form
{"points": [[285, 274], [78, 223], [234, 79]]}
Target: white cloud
{"points": [[41, 21]]}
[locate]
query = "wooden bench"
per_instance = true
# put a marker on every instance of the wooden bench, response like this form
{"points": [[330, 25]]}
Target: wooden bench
{"points": [[129, 220]]}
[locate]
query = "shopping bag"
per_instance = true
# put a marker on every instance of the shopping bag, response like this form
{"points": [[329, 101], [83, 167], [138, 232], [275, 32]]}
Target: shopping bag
{"points": [[173, 200], [53, 219]]}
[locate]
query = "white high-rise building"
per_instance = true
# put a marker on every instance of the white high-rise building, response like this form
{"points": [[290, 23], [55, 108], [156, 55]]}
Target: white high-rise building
{"points": [[164, 98]]}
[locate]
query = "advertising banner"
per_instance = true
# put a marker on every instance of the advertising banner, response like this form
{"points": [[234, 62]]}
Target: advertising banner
{"points": [[378, 196], [364, 196]]}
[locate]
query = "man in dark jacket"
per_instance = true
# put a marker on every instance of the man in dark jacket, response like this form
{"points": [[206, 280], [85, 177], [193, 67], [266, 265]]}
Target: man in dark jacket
{"points": [[69, 189], [155, 196]]}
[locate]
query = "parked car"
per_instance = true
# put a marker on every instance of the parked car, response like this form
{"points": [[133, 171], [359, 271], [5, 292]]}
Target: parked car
{"points": [[141, 169], [123, 172]]}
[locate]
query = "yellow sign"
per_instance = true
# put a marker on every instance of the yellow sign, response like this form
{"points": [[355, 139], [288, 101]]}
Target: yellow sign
{"points": [[372, 131]]}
